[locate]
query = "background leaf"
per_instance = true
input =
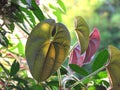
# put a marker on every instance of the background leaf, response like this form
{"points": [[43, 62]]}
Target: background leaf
{"points": [[3, 40], [28, 16], [96, 87], [93, 46], [14, 68], [11, 26], [78, 69], [5, 70], [20, 47], [100, 60], [61, 5], [57, 12], [37, 87], [37, 11]]}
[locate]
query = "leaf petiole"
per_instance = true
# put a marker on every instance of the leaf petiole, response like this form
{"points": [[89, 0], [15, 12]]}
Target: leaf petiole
{"points": [[94, 73]]}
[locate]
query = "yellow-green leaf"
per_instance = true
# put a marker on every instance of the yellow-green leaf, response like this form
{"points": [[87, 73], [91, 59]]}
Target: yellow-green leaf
{"points": [[82, 30], [113, 67], [46, 49]]}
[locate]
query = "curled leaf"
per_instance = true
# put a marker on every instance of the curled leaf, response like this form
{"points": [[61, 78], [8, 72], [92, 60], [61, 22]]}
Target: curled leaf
{"points": [[82, 31], [113, 67], [46, 48], [94, 43], [80, 59], [75, 57]]}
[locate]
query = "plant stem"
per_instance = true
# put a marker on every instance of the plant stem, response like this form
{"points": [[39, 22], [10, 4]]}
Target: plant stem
{"points": [[59, 78], [94, 73], [44, 84], [72, 47]]}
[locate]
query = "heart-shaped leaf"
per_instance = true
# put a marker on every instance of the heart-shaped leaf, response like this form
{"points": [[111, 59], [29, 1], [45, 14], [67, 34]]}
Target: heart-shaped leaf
{"points": [[113, 67], [82, 31], [94, 43], [46, 49]]}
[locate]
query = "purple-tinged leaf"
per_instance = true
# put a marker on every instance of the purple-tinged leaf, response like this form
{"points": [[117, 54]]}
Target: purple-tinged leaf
{"points": [[94, 43], [80, 59], [38, 2], [75, 57]]}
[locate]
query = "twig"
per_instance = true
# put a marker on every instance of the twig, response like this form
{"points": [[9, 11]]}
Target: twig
{"points": [[59, 78], [94, 73]]}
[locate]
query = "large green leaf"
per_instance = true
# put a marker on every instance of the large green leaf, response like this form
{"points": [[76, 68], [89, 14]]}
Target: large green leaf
{"points": [[78, 69], [82, 31], [46, 49], [100, 60], [113, 67]]}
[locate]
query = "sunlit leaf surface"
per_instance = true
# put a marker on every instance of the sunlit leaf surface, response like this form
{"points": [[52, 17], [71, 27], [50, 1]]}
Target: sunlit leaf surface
{"points": [[82, 31], [46, 49]]}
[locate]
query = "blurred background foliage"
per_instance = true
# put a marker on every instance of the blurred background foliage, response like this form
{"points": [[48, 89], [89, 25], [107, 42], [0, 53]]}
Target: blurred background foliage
{"points": [[103, 14]]}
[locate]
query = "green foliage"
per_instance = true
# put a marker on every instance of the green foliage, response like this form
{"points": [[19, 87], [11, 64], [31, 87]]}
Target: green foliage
{"points": [[22, 16], [14, 68], [78, 69], [82, 31], [37, 11], [47, 48], [5, 70], [100, 60], [3, 40]]}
